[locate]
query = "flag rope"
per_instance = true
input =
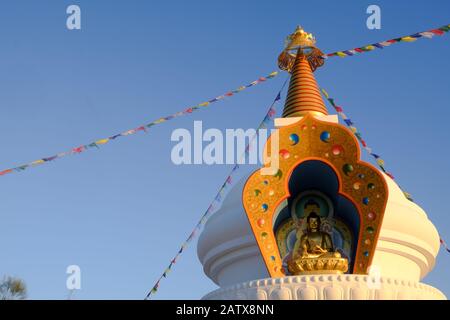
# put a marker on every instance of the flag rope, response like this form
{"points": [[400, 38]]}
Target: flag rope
{"points": [[217, 199], [355, 131], [444, 244], [380, 45], [142, 128]]}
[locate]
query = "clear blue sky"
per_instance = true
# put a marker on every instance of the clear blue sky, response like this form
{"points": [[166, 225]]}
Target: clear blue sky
{"points": [[121, 212]]}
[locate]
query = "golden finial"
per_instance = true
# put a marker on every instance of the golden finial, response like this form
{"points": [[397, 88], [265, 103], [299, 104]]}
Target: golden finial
{"points": [[300, 42], [300, 38]]}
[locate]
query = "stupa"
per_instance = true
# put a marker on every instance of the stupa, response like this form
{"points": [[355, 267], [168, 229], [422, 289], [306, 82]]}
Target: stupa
{"points": [[322, 225]]}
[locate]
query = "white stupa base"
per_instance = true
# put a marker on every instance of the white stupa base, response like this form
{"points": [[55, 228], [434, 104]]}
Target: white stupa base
{"points": [[327, 287]]}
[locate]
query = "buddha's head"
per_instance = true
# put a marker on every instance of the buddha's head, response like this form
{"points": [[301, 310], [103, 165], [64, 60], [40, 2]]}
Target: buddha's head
{"points": [[311, 206], [313, 222]]}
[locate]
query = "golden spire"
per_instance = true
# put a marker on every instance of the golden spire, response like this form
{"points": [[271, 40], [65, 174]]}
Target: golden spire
{"points": [[301, 58]]}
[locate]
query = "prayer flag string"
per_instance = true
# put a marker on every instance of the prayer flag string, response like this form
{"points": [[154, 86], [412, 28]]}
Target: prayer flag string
{"points": [[444, 244], [142, 128], [218, 198], [380, 45], [377, 158], [355, 131]]}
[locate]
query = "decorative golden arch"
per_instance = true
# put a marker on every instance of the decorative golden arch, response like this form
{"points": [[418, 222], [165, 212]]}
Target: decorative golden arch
{"points": [[359, 182]]}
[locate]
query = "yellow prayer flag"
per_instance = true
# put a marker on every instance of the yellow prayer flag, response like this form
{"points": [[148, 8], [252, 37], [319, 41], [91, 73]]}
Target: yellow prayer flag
{"points": [[409, 39], [159, 120], [102, 141], [35, 163], [204, 104], [341, 54]]}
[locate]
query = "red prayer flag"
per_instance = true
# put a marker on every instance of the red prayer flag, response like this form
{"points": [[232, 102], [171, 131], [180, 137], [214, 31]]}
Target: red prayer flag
{"points": [[271, 112], [78, 150], [438, 32], [142, 128], [2, 173], [390, 175]]}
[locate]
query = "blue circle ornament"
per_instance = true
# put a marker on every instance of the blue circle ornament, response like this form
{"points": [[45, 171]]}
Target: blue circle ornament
{"points": [[325, 136], [294, 139]]}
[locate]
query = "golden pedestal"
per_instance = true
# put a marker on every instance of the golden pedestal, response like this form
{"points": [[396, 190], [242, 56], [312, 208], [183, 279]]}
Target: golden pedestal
{"points": [[325, 265]]}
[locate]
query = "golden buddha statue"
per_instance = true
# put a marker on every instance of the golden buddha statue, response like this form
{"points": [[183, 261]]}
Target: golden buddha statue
{"points": [[314, 252]]}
